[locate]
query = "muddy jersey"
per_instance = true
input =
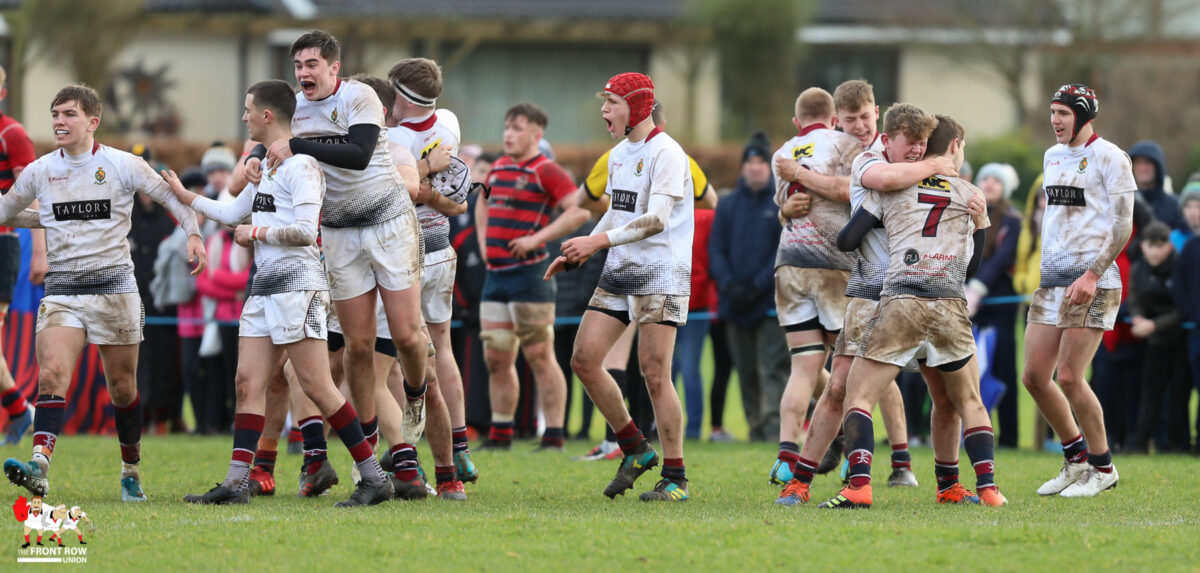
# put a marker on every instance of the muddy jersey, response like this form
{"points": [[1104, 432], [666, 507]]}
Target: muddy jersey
{"points": [[1079, 183], [870, 264], [85, 204], [421, 136], [272, 203], [660, 263], [929, 237], [811, 241], [353, 198]]}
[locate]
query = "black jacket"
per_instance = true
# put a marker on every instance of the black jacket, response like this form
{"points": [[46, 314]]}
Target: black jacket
{"points": [[1150, 297]]}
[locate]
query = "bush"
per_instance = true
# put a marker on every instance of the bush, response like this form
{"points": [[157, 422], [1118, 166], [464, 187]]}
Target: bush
{"points": [[1016, 149]]}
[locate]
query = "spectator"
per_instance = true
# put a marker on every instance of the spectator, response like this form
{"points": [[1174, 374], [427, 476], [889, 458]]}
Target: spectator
{"points": [[1157, 321], [745, 237], [574, 292], [217, 165], [223, 288], [995, 279], [158, 358], [1185, 290], [722, 368], [689, 346], [1189, 204], [174, 287], [1117, 366], [1027, 274], [1150, 172]]}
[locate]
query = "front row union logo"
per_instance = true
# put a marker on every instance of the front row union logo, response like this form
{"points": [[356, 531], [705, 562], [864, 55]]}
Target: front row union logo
{"points": [[52, 524]]}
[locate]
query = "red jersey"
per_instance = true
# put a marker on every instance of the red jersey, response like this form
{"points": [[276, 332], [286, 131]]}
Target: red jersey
{"points": [[522, 197], [16, 150], [704, 288]]}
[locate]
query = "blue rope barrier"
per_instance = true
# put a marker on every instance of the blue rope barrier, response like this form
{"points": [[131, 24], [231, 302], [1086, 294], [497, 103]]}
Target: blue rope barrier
{"points": [[575, 320]]}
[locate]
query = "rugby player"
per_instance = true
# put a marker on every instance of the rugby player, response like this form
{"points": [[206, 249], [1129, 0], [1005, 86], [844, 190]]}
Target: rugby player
{"points": [[513, 226], [1089, 217], [646, 279], [416, 123], [810, 272], [288, 303], [85, 193], [934, 245]]}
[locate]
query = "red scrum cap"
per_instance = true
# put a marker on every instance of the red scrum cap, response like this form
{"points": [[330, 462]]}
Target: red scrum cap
{"points": [[638, 91]]}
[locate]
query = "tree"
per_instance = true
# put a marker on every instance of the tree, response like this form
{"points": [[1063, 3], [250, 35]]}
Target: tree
{"points": [[87, 34]]}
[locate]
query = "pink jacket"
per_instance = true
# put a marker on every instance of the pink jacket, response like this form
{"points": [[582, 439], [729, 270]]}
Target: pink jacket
{"points": [[225, 278]]}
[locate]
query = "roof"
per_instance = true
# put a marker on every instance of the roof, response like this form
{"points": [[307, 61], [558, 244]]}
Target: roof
{"points": [[503, 9], [261, 6], [938, 13]]}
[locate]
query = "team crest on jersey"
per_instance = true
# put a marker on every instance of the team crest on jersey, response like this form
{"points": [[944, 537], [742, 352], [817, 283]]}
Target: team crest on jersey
{"points": [[100, 176], [1083, 165], [803, 151], [638, 170], [271, 174], [522, 180], [935, 183], [333, 116]]}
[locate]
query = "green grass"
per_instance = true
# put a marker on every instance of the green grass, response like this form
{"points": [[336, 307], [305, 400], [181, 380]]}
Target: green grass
{"points": [[546, 512]]}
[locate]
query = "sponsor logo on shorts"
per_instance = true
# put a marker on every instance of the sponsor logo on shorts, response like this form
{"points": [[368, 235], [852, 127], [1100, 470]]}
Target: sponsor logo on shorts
{"points": [[911, 257], [263, 203], [624, 200], [1065, 195], [82, 210]]}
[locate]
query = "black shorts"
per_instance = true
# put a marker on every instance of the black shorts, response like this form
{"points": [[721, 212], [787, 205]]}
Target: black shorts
{"points": [[10, 265]]}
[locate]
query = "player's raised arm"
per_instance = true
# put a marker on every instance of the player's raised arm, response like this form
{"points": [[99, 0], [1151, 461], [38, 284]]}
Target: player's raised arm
{"points": [[902, 174], [229, 213]]}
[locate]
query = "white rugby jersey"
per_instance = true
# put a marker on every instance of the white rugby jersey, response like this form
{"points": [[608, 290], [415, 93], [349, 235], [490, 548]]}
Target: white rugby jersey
{"points": [[272, 203], [85, 204], [352, 198], [870, 266], [1079, 218], [929, 236], [421, 136], [661, 263], [811, 241]]}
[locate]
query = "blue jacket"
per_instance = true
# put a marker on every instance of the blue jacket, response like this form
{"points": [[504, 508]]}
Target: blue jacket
{"points": [[741, 252], [1185, 281], [1166, 207], [995, 270]]}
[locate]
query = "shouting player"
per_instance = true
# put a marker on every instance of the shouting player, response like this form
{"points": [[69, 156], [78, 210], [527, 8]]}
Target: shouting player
{"points": [[368, 227], [513, 226], [646, 279], [85, 193], [934, 245], [288, 303], [1089, 216]]}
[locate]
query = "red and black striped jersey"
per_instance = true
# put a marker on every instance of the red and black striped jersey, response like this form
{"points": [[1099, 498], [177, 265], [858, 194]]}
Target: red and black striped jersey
{"points": [[521, 200], [16, 151]]}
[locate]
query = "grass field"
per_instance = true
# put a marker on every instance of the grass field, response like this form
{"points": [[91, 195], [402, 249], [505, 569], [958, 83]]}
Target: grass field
{"points": [[545, 512]]}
